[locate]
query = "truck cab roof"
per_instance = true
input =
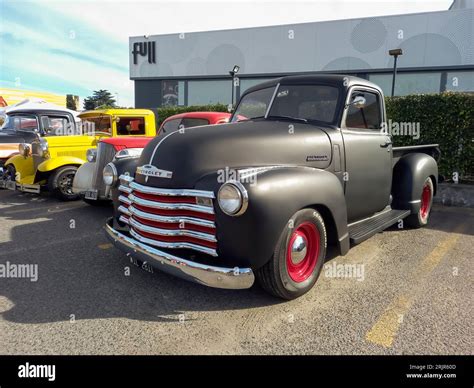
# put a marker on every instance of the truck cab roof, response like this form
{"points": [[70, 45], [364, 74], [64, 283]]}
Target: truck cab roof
{"points": [[339, 80]]}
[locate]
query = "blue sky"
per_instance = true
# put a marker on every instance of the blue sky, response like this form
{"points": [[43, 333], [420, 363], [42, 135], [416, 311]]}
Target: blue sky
{"points": [[45, 49], [77, 46]]}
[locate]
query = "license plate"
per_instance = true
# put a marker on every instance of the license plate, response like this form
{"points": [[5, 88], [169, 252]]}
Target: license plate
{"points": [[92, 194], [141, 264]]}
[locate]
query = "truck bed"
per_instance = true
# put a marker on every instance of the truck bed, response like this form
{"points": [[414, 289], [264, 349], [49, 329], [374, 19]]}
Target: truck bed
{"points": [[429, 149]]}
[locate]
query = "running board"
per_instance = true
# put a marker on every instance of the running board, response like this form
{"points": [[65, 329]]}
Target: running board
{"points": [[364, 229]]}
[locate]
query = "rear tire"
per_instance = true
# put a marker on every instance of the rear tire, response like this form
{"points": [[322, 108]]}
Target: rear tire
{"points": [[9, 173], [60, 183], [298, 257], [420, 219]]}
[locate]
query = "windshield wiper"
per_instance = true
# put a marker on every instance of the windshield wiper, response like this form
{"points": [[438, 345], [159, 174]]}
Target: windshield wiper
{"points": [[287, 118]]}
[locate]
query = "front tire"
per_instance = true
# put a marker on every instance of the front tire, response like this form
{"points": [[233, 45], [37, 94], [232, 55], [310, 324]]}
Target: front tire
{"points": [[298, 257], [60, 183], [420, 219]]}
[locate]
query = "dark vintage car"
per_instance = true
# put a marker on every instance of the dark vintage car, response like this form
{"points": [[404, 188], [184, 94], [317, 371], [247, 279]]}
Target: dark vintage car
{"points": [[23, 126], [88, 182], [305, 164]]}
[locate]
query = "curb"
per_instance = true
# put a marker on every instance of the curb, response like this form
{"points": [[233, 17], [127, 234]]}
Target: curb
{"points": [[451, 194]]}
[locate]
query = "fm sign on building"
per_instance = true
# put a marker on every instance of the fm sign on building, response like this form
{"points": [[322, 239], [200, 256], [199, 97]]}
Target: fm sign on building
{"points": [[145, 49]]}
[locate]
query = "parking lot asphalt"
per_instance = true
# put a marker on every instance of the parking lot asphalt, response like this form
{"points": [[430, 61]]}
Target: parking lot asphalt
{"points": [[411, 293]]}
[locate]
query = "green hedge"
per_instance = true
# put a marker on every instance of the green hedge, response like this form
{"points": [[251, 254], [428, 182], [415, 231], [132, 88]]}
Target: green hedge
{"points": [[167, 111], [446, 119]]}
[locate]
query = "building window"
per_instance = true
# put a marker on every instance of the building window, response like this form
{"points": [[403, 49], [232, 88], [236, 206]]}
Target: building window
{"points": [[408, 83], [209, 92], [172, 93], [460, 81]]}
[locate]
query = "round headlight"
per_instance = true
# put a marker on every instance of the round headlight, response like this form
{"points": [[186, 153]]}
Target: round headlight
{"points": [[24, 149], [91, 155], [109, 174], [44, 147], [232, 198]]}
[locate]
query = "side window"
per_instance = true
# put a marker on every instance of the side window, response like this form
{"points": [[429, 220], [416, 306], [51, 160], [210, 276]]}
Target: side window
{"points": [[171, 125], [131, 126], [56, 125], [367, 117]]}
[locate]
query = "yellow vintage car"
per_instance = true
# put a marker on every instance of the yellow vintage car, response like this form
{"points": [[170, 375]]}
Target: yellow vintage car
{"points": [[51, 160]]}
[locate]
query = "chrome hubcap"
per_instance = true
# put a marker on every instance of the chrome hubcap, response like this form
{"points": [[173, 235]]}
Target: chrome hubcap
{"points": [[298, 249]]}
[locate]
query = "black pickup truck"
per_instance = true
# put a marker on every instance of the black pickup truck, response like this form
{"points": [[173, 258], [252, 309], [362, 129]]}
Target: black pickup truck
{"points": [[304, 163]]}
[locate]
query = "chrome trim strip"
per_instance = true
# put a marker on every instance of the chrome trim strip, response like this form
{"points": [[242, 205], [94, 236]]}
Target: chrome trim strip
{"points": [[125, 189], [124, 210], [169, 206], [171, 192], [124, 219], [155, 217], [124, 200], [218, 277], [127, 178], [182, 245], [171, 232]]}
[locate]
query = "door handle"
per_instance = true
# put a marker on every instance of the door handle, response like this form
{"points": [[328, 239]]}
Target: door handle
{"points": [[386, 144]]}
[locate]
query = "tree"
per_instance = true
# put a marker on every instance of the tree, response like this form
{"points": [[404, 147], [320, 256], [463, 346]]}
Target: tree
{"points": [[99, 98]]}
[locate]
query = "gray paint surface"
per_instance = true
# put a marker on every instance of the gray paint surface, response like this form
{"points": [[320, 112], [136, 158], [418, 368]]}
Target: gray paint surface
{"points": [[443, 38]]}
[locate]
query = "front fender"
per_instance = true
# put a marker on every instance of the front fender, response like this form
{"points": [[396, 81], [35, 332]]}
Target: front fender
{"points": [[274, 196], [409, 175], [23, 166], [54, 163]]}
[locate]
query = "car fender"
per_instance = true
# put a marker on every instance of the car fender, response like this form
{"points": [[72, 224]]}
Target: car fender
{"points": [[23, 166], [409, 175], [53, 163], [274, 196]]}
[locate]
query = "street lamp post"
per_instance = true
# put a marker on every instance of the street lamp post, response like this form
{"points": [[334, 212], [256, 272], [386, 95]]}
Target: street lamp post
{"points": [[232, 73], [394, 53]]}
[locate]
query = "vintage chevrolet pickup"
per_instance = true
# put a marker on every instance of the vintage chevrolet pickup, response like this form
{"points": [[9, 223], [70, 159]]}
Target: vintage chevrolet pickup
{"points": [[305, 162]]}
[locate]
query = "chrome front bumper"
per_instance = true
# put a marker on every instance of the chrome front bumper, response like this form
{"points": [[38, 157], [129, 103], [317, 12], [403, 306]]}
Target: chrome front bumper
{"points": [[218, 277]]}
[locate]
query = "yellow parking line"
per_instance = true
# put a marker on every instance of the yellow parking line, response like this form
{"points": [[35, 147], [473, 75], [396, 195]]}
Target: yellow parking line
{"points": [[104, 246], [385, 329]]}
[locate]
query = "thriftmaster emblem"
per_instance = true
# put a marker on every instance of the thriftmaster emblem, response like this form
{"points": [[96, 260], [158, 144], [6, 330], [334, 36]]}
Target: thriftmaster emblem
{"points": [[150, 170]]}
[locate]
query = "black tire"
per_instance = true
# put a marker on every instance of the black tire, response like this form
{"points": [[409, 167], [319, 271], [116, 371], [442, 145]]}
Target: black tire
{"points": [[9, 173], [275, 276], [98, 202], [60, 183], [420, 219]]}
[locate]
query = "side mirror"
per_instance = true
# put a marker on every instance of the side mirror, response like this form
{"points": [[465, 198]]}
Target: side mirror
{"points": [[359, 102]]}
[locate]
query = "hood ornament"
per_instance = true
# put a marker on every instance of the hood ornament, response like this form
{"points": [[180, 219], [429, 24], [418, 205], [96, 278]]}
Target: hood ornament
{"points": [[150, 170]]}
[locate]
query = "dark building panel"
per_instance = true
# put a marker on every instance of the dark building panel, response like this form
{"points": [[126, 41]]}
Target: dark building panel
{"points": [[147, 93]]}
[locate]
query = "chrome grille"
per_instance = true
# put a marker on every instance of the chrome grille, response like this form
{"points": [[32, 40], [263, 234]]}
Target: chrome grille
{"points": [[105, 154], [168, 218]]}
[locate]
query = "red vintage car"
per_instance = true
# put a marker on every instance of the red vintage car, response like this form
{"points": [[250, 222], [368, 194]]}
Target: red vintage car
{"points": [[88, 180]]}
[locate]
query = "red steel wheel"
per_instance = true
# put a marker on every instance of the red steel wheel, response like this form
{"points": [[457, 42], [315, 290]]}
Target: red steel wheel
{"points": [[426, 196], [302, 252]]}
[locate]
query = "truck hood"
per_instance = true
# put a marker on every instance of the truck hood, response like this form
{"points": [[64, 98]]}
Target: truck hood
{"points": [[188, 155]]}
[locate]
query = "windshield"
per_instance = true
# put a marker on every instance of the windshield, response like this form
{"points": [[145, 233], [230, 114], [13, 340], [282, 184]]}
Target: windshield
{"points": [[21, 123], [303, 102], [101, 124], [253, 105]]}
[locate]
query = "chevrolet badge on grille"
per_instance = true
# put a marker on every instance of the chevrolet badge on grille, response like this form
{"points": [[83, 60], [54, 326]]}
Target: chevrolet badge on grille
{"points": [[150, 170]]}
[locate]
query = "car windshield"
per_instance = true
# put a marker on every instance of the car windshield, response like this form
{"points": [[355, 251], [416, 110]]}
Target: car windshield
{"points": [[291, 102], [96, 125]]}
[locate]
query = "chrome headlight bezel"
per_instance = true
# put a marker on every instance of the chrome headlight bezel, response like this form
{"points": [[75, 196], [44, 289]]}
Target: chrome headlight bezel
{"points": [[24, 149], [236, 192], [91, 155], [109, 174]]}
